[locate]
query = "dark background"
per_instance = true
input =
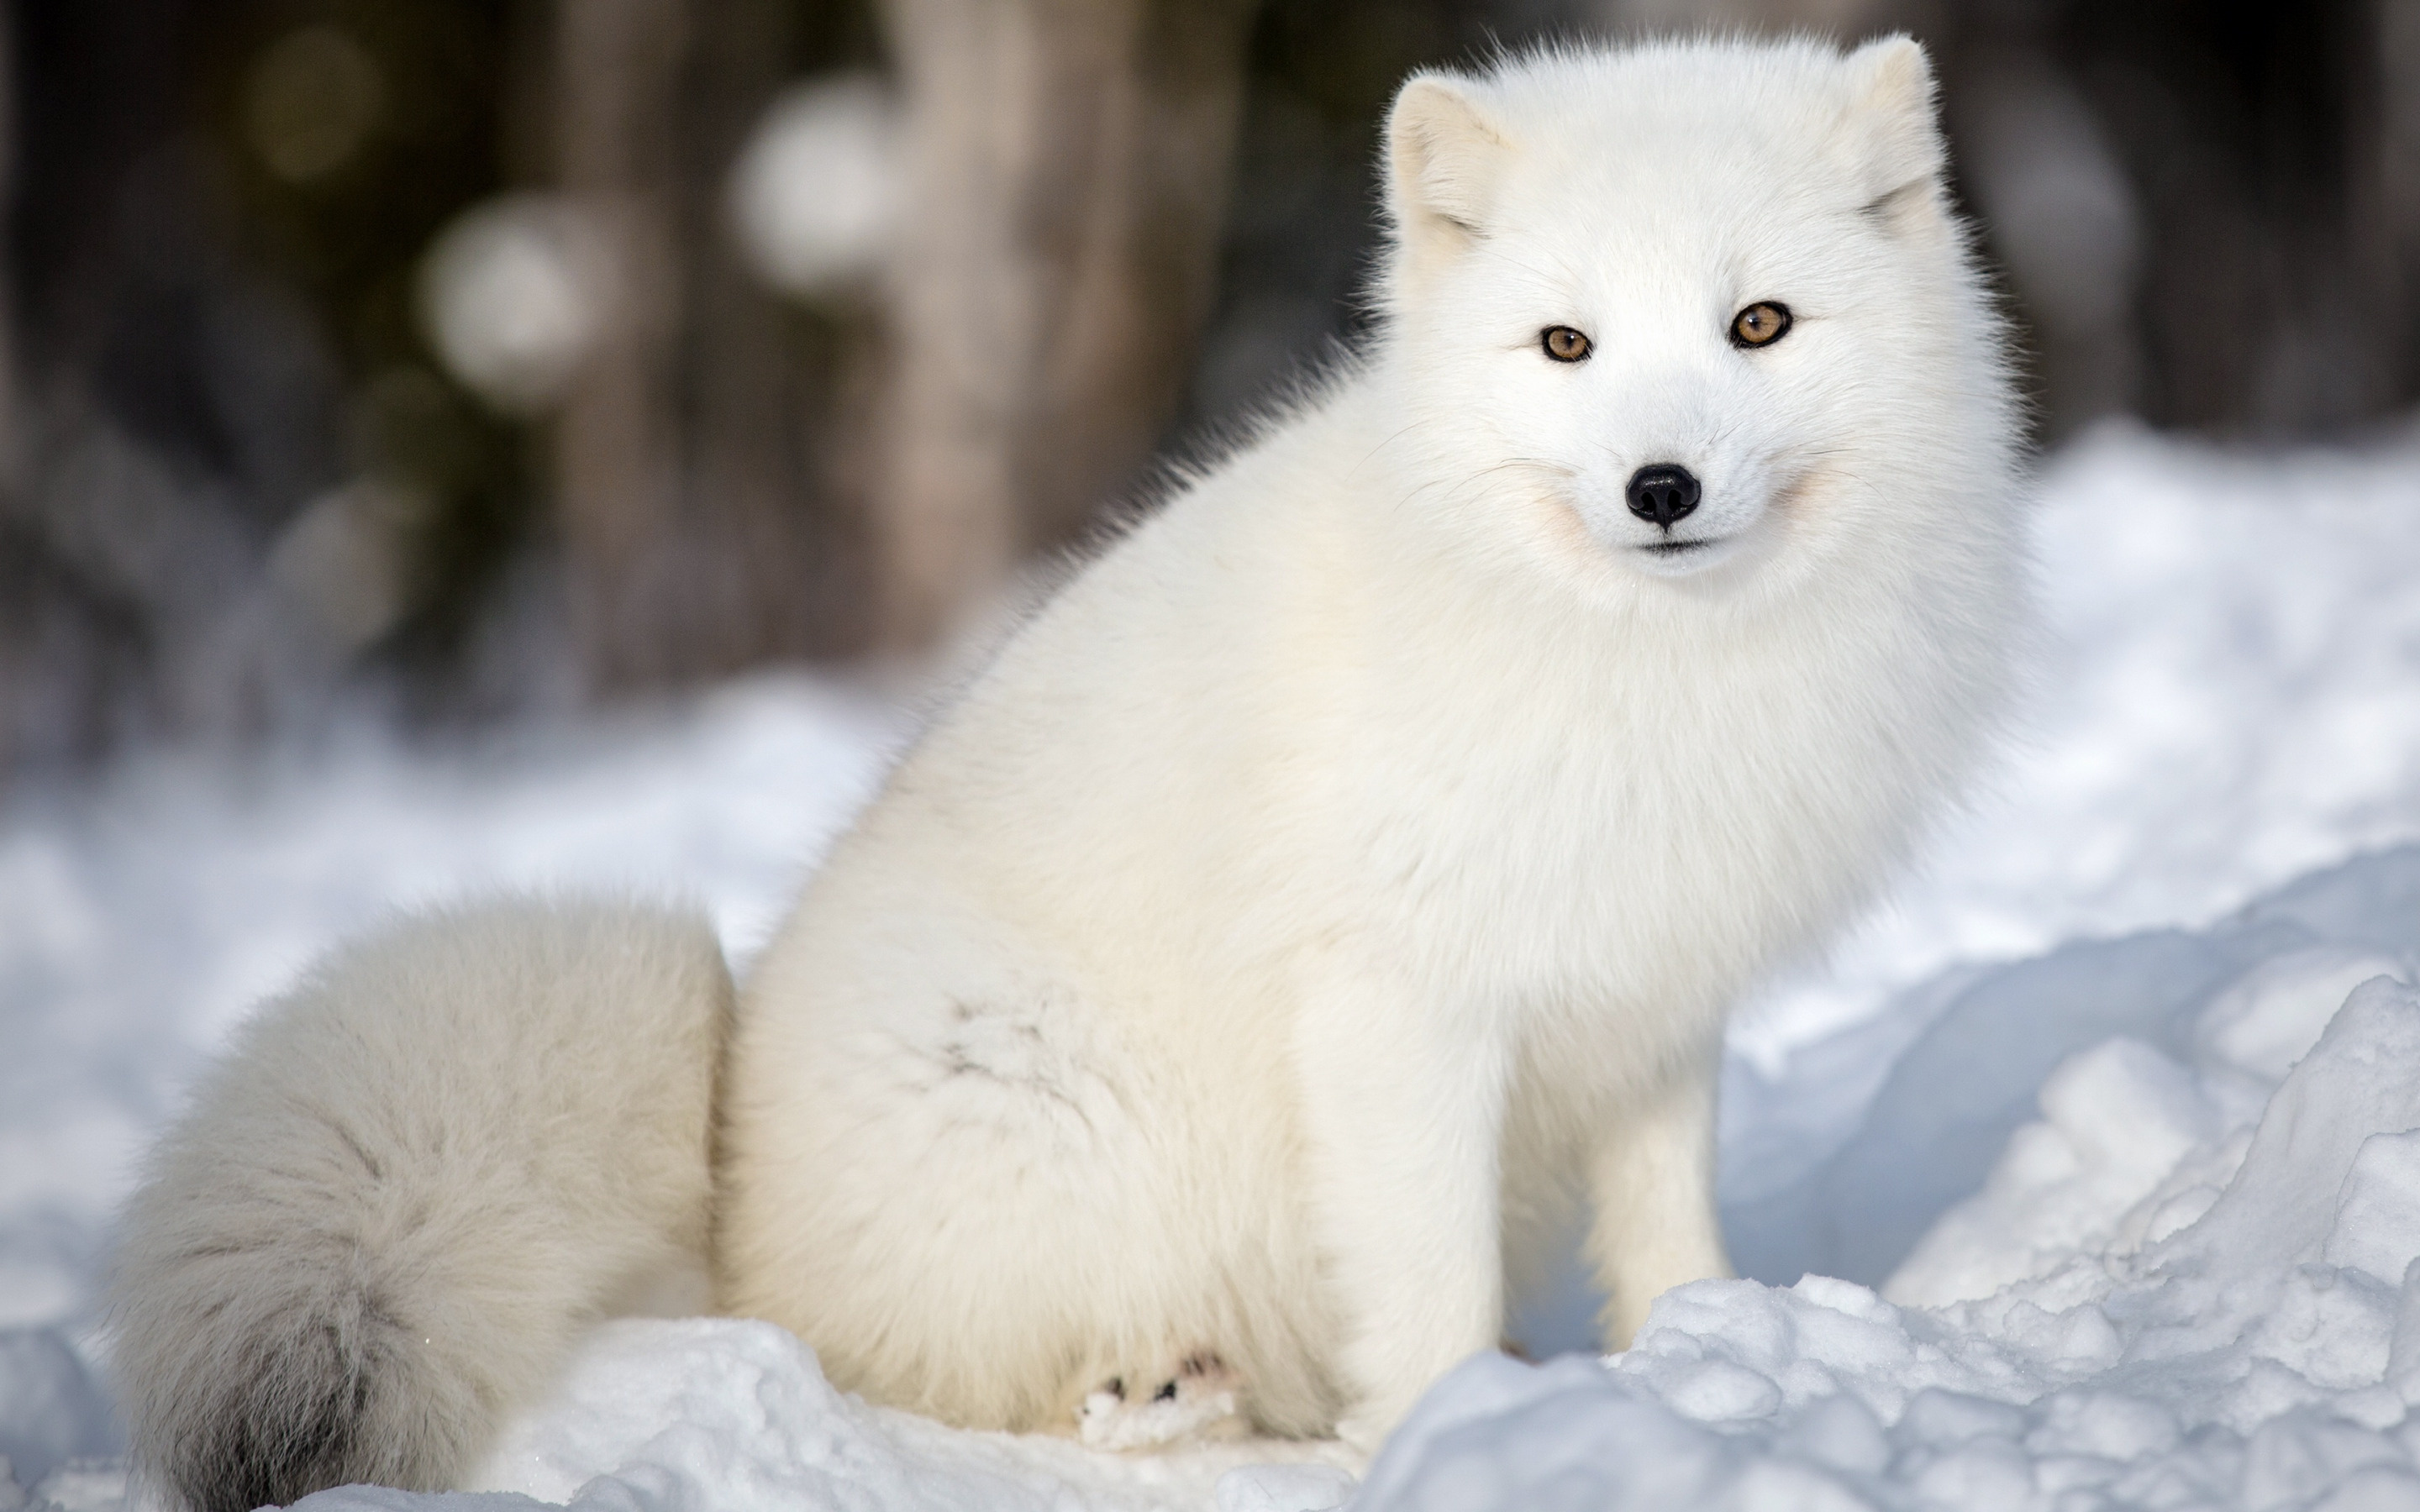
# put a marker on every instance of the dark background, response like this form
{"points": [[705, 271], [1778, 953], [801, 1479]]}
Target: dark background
{"points": [[244, 493]]}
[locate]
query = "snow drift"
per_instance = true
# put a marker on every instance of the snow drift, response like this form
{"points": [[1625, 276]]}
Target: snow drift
{"points": [[2188, 1281]]}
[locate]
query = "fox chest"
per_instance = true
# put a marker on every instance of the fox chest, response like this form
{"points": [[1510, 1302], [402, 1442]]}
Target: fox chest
{"points": [[1616, 857]]}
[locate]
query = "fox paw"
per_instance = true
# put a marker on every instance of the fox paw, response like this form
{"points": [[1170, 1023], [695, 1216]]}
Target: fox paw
{"points": [[1194, 1401]]}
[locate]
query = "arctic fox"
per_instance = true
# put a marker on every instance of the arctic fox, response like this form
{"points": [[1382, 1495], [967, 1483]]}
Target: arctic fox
{"points": [[1346, 873]]}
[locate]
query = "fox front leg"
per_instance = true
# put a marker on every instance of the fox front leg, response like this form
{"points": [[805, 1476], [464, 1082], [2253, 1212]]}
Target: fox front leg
{"points": [[1652, 1179], [1402, 1109]]}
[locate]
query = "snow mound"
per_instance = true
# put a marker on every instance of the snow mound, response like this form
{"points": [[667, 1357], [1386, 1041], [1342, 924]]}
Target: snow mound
{"points": [[734, 1415], [1987, 1051], [2194, 1280]]}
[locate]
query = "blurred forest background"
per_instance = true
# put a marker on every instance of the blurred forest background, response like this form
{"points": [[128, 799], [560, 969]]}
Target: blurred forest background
{"points": [[463, 358]]}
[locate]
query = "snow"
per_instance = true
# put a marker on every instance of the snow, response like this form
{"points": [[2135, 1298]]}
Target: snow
{"points": [[731, 1414], [2086, 1174], [2183, 1284]]}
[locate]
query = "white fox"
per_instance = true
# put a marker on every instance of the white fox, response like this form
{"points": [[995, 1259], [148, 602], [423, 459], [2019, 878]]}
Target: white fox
{"points": [[1349, 869]]}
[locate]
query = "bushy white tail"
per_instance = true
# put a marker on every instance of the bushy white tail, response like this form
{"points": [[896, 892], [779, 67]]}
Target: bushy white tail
{"points": [[394, 1205]]}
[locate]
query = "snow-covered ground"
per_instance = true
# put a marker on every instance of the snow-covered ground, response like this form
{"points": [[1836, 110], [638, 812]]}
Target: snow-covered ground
{"points": [[2112, 1221]]}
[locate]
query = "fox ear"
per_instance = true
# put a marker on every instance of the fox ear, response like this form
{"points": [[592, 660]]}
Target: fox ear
{"points": [[1891, 131], [1444, 154]]}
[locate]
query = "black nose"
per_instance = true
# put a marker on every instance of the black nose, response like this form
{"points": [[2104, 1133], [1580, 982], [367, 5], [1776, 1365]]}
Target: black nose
{"points": [[1663, 492]]}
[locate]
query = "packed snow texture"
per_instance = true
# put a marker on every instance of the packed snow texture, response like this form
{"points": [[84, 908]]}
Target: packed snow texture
{"points": [[2188, 1281], [2102, 1142]]}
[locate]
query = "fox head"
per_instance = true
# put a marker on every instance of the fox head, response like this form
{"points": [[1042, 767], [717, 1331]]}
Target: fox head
{"points": [[1694, 318]]}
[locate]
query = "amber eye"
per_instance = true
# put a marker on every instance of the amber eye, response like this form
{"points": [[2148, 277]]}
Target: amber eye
{"points": [[1761, 324], [1564, 344]]}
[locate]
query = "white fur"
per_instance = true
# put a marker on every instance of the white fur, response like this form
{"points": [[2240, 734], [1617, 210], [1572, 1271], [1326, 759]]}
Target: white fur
{"points": [[1353, 867], [409, 1185], [1361, 856]]}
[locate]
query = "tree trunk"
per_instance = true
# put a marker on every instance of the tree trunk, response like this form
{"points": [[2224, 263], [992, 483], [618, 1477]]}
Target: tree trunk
{"points": [[1068, 162], [695, 452], [616, 441]]}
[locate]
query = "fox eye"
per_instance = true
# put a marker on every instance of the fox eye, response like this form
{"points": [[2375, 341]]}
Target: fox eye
{"points": [[1761, 324], [1564, 344]]}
